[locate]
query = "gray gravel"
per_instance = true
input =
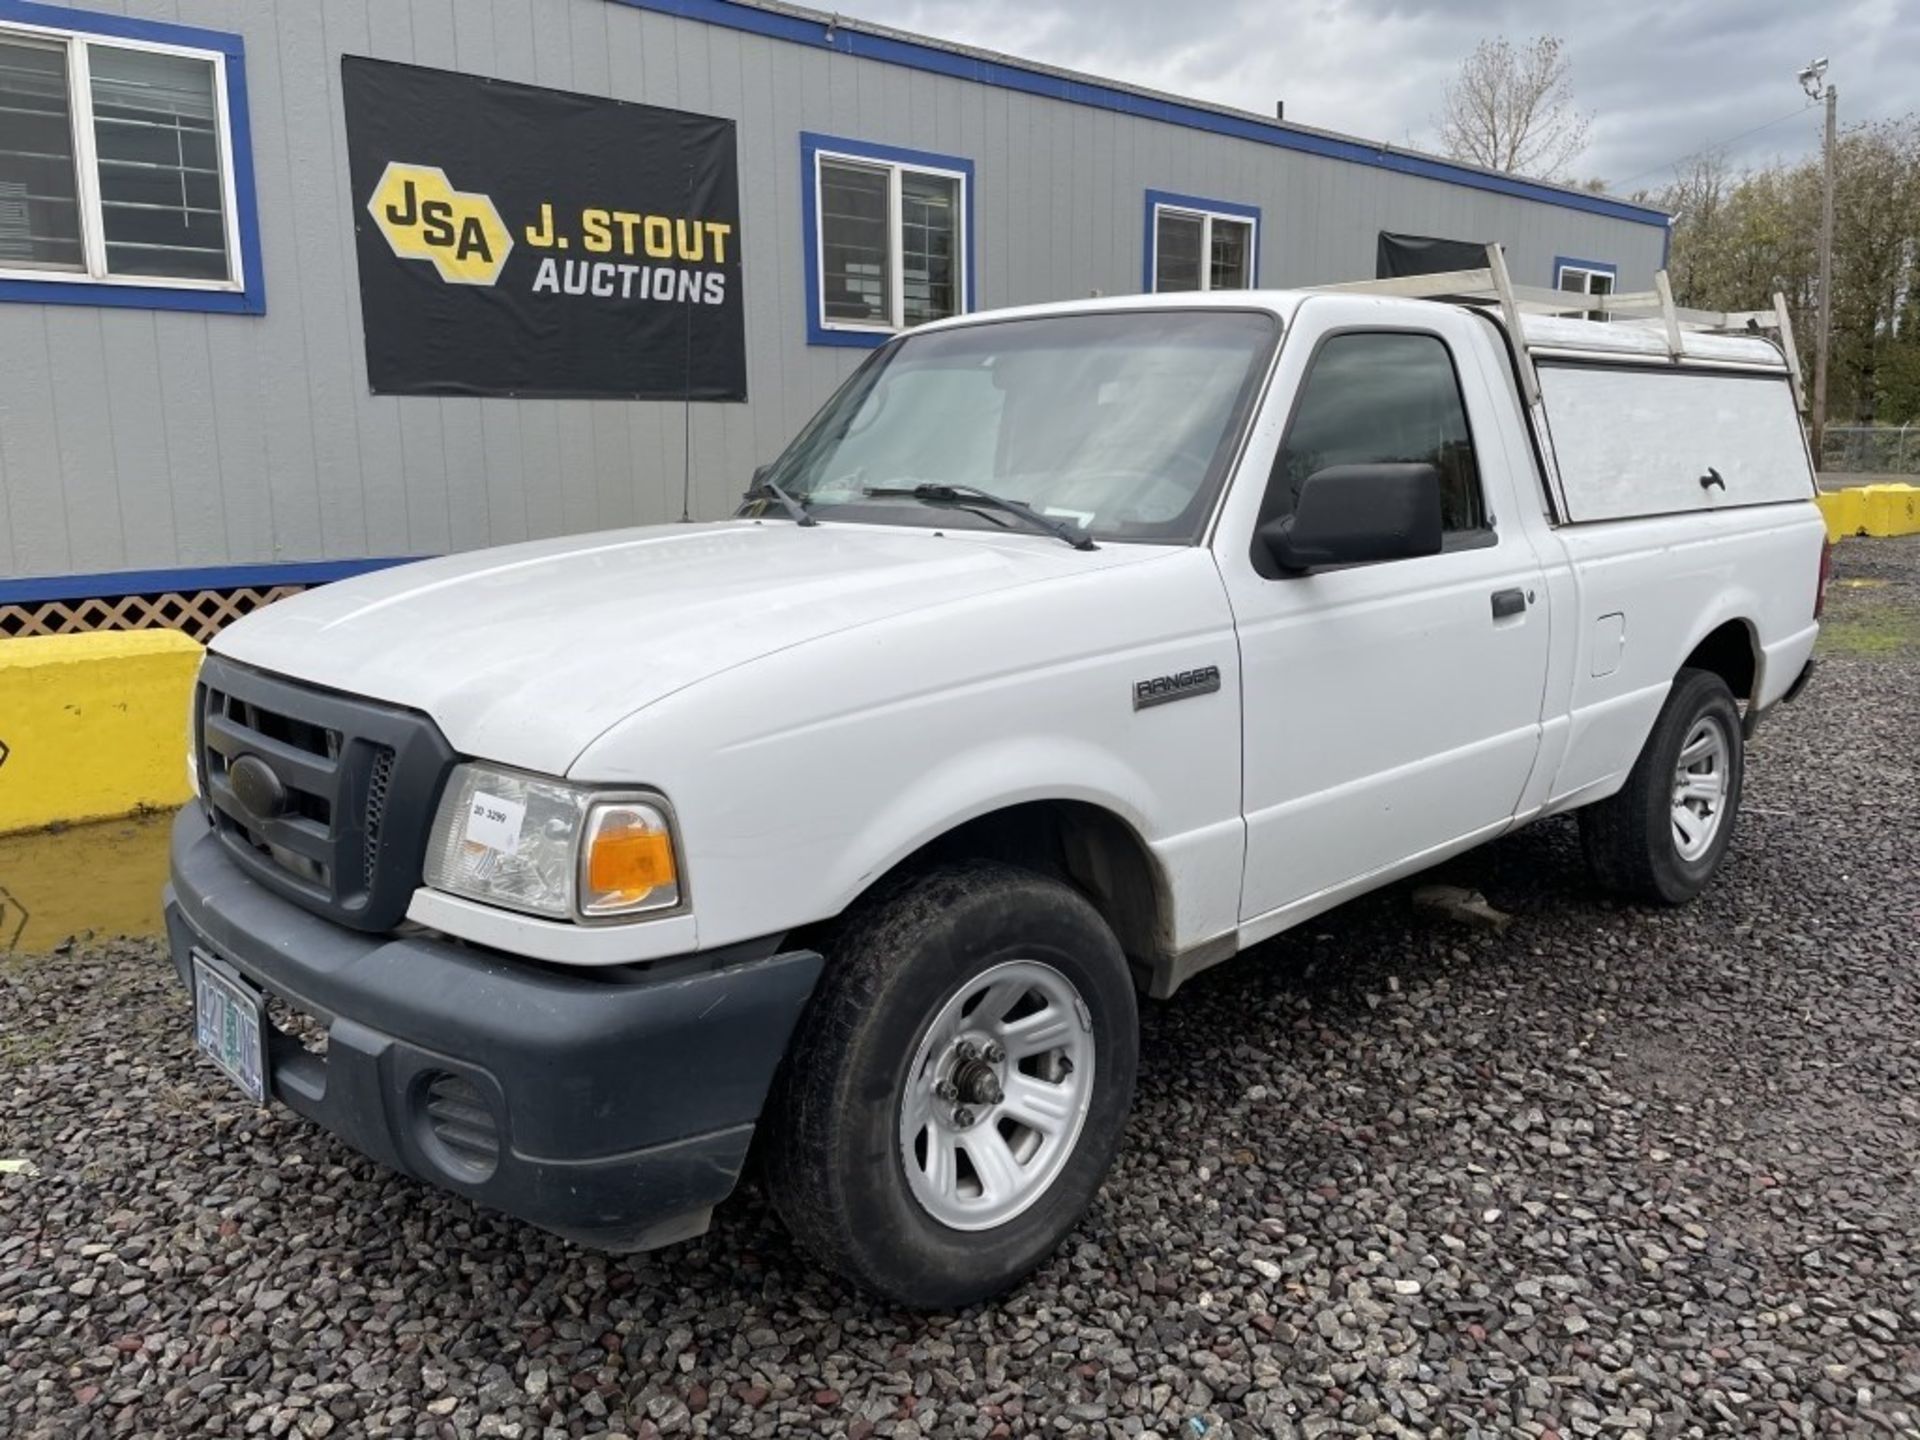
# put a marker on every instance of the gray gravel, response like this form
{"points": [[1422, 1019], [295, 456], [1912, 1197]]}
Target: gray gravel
{"points": [[1609, 1172]]}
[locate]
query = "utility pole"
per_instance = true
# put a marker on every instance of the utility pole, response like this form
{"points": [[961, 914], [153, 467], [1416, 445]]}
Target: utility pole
{"points": [[1811, 80]]}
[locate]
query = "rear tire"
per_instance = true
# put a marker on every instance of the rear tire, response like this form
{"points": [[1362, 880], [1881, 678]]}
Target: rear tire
{"points": [[892, 1076], [1662, 836]]}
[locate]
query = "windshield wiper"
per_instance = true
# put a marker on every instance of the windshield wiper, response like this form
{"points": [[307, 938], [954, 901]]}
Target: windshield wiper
{"points": [[795, 510], [944, 494]]}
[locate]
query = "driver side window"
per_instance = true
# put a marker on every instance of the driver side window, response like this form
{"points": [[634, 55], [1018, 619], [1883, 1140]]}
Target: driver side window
{"points": [[1383, 397]]}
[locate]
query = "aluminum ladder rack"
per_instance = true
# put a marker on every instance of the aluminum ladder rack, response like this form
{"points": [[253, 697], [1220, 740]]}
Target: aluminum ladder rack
{"points": [[1648, 315]]}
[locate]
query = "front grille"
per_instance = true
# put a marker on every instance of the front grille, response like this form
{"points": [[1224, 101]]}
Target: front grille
{"points": [[338, 820], [305, 759], [379, 780]]}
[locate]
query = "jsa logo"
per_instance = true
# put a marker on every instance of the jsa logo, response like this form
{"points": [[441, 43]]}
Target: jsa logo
{"points": [[425, 218]]}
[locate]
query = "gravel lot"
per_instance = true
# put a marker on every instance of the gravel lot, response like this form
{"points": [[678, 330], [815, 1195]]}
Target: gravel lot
{"points": [[1611, 1171]]}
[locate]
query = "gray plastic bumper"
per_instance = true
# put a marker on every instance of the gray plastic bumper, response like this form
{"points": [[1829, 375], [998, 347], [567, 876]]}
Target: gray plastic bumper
{"points": [[622, 1102]]}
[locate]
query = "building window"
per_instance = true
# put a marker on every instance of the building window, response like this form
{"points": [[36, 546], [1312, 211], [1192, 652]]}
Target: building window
{"points": [[123, 176], [1585, 277], [1197, 244], [889, 239]]}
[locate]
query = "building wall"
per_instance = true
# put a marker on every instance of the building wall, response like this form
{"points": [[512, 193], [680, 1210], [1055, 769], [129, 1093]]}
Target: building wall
{"points": [[138, 440]]}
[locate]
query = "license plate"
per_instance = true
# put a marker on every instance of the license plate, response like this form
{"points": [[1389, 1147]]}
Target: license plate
{"points": [[230, 1027]]}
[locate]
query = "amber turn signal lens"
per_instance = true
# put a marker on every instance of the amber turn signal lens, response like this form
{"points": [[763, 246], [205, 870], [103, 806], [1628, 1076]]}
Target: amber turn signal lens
{"points": [[630, 862]]}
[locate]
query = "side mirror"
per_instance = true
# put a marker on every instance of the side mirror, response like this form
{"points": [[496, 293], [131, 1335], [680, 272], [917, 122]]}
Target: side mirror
{"points": [[1353, 514]]}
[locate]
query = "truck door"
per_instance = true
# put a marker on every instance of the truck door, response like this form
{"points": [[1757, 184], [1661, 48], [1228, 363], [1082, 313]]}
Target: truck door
{"points": [[1392, 710]]}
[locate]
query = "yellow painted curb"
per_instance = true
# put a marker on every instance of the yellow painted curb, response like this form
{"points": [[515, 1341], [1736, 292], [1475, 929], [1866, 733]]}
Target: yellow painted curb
{"points": [[1871, 510], [93, 725]]}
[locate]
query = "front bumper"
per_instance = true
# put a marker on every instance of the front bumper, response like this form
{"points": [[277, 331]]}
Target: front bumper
{"points": [[623, 1101]]}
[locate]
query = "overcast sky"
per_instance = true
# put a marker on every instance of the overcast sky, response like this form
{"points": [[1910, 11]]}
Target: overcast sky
{"points": [[1661, 77]]}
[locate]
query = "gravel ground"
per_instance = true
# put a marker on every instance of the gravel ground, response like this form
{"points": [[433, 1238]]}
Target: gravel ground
{"points": [[1610, 1172]]}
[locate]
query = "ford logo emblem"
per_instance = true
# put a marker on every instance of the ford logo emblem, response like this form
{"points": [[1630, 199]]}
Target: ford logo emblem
{"points": [[257, 788]]}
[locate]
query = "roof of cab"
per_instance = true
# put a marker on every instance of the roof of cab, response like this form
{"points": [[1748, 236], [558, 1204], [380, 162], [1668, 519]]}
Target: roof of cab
{"points": [[1277, 302], [1624, 338]]}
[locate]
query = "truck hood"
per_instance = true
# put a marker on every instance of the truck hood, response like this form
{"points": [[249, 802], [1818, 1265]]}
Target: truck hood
{"points": [[525, 654]]}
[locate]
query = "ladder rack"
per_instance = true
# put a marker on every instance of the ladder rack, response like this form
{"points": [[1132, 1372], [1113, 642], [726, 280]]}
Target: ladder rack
{"points": [[1646, 311]]}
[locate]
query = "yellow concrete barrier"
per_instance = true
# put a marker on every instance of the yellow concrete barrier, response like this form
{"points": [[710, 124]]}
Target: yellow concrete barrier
{"points": [[93, 725], [1892, 509], [1845, 512], [1871, 510]]}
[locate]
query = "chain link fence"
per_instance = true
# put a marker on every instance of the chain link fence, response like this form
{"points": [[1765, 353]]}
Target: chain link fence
{"points": [[1870, 450]]}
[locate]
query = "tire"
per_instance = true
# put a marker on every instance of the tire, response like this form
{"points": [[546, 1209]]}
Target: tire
{"points": [[1633, 842], [838, 1148]]}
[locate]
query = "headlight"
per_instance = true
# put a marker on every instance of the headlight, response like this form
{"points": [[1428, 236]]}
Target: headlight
{"points": [[550, 848]]}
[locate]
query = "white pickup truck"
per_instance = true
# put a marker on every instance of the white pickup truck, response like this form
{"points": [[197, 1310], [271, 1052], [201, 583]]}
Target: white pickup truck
{"points": [[1068, 651]]}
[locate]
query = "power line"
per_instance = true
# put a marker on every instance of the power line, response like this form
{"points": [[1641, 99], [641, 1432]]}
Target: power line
{"points": [[1717, 144]]}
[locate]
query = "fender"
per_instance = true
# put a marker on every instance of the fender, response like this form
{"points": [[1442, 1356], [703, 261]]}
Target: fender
{"points": [[1736, 607], [801, 778], [997, 774]]}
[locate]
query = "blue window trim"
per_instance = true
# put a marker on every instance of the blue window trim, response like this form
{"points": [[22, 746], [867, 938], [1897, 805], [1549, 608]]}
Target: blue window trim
{"points": [[37, 589], [811, 144], [252, 300], [1599, 267], [1235, 211], [814, 31]]}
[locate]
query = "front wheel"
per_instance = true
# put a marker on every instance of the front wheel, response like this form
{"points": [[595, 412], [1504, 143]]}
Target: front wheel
{"points": [[1662, 836], [957, 1089]]}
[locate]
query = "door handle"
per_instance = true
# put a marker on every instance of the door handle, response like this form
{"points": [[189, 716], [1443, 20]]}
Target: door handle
{"points": [[1508, 602]]}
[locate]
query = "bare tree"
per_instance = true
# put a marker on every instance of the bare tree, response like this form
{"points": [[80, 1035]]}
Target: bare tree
{"points": [[1697, 198], [1511, 108]]}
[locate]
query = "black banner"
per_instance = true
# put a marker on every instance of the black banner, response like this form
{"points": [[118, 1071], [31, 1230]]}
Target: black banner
{"points": [[529, 242], [1425, 255]]}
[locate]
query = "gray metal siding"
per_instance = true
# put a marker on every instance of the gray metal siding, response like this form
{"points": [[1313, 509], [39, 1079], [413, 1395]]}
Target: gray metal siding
{"points": [[134, 439]]}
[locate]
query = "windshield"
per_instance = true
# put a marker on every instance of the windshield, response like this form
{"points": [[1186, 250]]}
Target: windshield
{"points": [[1119, 423]]}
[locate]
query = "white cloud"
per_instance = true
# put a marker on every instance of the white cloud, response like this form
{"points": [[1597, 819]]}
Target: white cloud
{"points": [[1663, 78]]}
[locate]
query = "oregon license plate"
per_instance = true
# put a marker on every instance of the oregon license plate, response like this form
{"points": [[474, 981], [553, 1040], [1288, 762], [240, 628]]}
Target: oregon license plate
{"points": [[230, 1027]]}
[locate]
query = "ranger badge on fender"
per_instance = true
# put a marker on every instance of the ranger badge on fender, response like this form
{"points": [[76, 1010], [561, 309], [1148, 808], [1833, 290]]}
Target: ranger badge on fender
{"points": [[1160, 690]]}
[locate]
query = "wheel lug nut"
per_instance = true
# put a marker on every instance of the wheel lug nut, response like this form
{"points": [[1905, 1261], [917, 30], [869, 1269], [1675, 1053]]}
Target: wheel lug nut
{"points": [[947, 1091], [966, 1051], [963, 1117], [993, 1054]]}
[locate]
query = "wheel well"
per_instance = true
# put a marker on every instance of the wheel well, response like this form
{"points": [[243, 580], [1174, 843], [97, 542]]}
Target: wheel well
{"points": [[1089, 848], [1728, 653]]}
